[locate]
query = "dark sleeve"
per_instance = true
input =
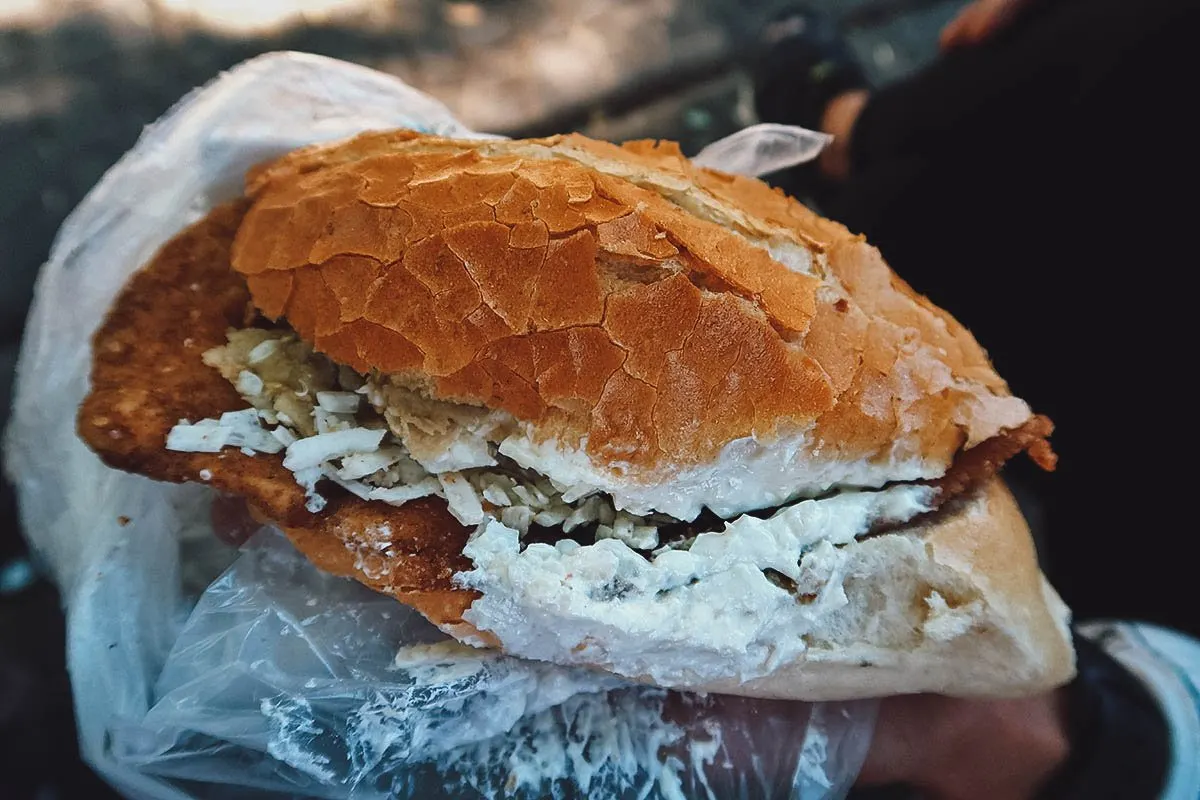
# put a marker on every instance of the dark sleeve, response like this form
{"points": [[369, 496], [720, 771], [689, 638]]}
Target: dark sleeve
{"points": [[1120, 744]]}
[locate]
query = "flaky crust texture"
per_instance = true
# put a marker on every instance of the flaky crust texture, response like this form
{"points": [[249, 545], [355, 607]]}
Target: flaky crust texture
{"points": [[617, 298]]}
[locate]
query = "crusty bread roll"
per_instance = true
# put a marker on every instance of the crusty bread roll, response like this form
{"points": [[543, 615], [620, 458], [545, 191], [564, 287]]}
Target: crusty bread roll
{"points": [[648, 323], [813, 440]]}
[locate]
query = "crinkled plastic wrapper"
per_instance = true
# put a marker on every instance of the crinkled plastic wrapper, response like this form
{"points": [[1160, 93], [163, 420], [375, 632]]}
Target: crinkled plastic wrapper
{"points": [[204, 671]]}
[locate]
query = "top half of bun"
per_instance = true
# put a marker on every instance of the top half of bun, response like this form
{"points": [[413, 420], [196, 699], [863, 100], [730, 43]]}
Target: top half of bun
{"points": [[616, 300]]}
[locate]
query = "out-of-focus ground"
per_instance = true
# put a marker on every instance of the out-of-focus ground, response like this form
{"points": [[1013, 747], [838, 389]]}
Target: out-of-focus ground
{"points": [[80, 78]]}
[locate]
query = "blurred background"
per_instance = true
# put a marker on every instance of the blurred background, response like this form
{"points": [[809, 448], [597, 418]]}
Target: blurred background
{"points": [[80, 78]]}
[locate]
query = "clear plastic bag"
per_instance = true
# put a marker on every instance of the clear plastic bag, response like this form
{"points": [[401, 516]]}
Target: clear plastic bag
{"points": [[201, 671], [762, 149]]}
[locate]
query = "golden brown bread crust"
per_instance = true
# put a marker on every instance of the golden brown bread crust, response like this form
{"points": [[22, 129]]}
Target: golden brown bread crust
{"points": [[613, 293], [147, 374]]}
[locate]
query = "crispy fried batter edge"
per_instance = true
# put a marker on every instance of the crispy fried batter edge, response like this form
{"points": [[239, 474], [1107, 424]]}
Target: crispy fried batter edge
{"points": [[147, 375]]}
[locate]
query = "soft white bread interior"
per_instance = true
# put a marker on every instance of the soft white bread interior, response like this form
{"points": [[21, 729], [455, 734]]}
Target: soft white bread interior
{"points": [[954, 605]]}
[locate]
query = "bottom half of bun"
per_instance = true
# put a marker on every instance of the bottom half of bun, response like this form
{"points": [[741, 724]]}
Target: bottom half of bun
{"points": [[954, 604]]}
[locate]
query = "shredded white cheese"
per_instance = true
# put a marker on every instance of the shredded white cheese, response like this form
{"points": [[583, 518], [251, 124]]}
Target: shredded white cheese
{"points": [[401, 445], [262, 351], [399, 495], [310, 452], [338, 402], [461, 498], [234, 429], [316, 412], [284, 436], [360, 465], [308, 477], [248, 383], [405, 447], [206, 436]]}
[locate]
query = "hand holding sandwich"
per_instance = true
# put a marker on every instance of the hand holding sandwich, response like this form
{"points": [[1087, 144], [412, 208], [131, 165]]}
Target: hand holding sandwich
{"points": [[944, 748], [968, 749]]}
